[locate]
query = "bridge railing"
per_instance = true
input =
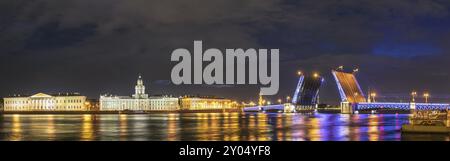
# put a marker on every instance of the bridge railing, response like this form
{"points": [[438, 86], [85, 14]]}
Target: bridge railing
{"points": [[432, 106], [401, 106], [381, 105]]}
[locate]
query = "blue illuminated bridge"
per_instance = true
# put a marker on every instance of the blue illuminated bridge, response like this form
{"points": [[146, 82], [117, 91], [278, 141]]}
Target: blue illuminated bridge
{"points": [[306, 93], [306, 96], [401, 106], [352, 97]]}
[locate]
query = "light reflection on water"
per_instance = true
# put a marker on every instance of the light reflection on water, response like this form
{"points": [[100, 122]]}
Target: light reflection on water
{"points": [[208, 126]]}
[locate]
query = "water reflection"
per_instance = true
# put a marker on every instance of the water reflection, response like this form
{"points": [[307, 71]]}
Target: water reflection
{"points": [[209, 126], [172, 127], [373, 128], [354, 128], [51, 129], [16, 129], [123, 126], [87, 130]]}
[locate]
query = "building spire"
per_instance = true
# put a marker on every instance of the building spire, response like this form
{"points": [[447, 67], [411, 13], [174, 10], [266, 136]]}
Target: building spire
{"points": [[140, 82], [140, 88]]}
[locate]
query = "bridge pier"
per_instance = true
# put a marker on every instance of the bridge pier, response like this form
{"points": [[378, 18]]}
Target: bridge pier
{"points": [[412, 106], [347, 108]]}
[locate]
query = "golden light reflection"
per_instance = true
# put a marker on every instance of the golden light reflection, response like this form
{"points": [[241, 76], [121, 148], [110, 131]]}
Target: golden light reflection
{"points": [[234, 135], [344, 131], [225, 120], [87, 131], [205, 126], [51, 130], [279, 127], [123, 126], [16, 128], [214, 125], [262, 126], [314, 133], [297, 135], [253, 126], [373, 128], [226, 126], [202, 129], [172, 127], [354, 130], [214, 120]]}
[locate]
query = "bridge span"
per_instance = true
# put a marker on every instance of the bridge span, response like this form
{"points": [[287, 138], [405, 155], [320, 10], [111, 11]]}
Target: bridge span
{"points": [[352, 97], [400, 106], [306, 97]]}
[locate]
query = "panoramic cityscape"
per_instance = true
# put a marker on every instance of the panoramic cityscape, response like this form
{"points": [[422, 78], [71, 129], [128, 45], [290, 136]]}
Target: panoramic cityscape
{"points": [[285, 70], [301, 116]]}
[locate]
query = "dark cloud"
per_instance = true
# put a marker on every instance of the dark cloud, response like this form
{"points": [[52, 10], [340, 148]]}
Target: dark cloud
{"points": [[100, 46]]}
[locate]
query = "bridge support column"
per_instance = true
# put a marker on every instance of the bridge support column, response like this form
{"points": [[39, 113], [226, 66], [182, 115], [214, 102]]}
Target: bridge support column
{"points": [[412, 106], [288, 108], [347, 108]]}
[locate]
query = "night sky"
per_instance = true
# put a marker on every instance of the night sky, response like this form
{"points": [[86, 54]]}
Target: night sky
{"points": [[99, 46]]}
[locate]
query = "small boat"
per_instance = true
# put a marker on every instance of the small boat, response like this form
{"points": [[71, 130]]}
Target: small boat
{"points": [[430, 121]]}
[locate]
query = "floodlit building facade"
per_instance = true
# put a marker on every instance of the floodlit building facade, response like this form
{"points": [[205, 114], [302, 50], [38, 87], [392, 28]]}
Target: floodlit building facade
{"points": [[46, 102], [140, 101], [205, 103]]}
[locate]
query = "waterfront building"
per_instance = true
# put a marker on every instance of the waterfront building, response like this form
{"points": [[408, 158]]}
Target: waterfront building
{"points": [[140, 101], [92, 105], [1, 104], [205, 103], [46, 102]]}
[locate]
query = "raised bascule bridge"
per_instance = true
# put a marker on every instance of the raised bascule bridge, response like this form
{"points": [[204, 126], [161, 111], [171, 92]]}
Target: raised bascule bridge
{"points": [[306, 95], [305, 98], [353, 99]]}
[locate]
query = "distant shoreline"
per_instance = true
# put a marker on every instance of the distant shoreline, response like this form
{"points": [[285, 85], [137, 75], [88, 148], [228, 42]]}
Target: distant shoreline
{"points": [[120, 112]]}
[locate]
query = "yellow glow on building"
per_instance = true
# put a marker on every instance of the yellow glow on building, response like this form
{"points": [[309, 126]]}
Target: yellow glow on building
{"points": [[140, 101], [45, 102], [197, 103]]}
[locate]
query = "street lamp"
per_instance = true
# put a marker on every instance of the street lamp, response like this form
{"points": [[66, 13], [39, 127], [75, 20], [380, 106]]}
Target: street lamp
{"points": [[426, 95], [299, 73], [288, 98], [414, 94], [373, 95], [316, 75], [279, 101]]}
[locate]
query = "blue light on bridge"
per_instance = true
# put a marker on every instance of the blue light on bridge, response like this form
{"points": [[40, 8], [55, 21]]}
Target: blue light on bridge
{"points": [[401, 106]]}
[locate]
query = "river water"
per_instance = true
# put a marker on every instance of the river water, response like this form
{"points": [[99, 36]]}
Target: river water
{"points": [[208, 127]]}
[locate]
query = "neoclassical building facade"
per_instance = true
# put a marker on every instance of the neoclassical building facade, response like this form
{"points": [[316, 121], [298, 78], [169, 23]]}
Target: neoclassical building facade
{"points": [[45, 102], [205, 103], [139, 101]]}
